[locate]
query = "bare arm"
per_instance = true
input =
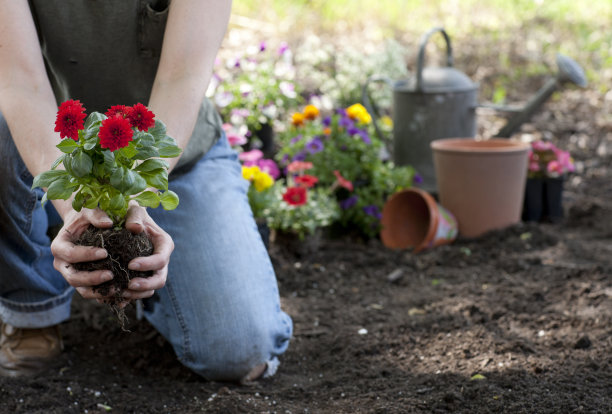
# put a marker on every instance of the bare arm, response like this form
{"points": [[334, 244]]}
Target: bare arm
{"points": [[26, 98], [193, 35]]}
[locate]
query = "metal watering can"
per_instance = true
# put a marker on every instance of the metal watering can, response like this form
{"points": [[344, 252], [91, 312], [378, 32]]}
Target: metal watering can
{"points": [[441, 102]]}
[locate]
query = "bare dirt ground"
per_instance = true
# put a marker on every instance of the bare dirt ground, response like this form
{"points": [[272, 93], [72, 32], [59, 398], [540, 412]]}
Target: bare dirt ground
{"points": [[516, 321]]}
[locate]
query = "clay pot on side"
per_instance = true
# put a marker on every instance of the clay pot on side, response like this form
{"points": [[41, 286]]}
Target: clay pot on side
{"points": [[481, 182], [412, 218]]}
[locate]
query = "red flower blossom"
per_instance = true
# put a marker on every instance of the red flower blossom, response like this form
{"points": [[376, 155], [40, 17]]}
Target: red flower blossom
{"points": [[122, 110], [116, 132], [295, 196], [141, 117], [306, 180], [70, 118], [343, 182]]}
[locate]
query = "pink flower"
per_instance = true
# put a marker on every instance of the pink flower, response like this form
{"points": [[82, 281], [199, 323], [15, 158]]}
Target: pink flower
{"points": [[534, 166], [542, 146], [299, 166], [236, 139], [555, 168], [250, 156]]}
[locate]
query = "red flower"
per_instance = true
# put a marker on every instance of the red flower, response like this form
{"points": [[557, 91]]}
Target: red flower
{"points": [[343, 182], [122, 110], [141, 117], [116, 132], [70, 118], [306, 180], [295, 196]]}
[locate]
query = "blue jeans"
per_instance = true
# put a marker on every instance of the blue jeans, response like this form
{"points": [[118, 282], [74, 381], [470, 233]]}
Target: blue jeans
{"points": [[220, 307]]}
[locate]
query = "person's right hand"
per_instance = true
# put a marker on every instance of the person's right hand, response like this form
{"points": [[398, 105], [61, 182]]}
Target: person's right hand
{"points": [[66, 253]]}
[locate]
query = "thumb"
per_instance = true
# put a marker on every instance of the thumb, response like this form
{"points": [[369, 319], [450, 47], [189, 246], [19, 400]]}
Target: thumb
{"points": [[100, 219]]}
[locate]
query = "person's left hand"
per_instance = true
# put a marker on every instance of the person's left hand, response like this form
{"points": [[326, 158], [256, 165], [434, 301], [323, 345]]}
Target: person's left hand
{"points": [[137, 221]]}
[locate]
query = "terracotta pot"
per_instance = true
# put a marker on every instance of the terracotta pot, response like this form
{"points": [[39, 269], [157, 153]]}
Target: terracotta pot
{"points": [[412, 218], [481, 182]]}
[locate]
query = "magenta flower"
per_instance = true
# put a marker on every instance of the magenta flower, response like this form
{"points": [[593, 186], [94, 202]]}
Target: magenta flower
{"points": [[268, 166]]}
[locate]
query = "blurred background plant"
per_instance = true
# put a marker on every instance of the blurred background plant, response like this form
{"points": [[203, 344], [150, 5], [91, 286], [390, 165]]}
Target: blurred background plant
{"points": [[348, 161], [255, 88]]}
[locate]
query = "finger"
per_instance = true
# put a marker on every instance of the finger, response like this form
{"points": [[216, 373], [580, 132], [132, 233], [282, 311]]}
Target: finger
{"points": [[99, 218], [135, 219], [157, 281], [88, 293], [133, 295], [69, 252], [163, 247], [77, 278]]}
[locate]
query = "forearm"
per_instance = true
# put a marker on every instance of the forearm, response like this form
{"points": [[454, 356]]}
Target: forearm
{"points": [[26, 98], [192, 38]]}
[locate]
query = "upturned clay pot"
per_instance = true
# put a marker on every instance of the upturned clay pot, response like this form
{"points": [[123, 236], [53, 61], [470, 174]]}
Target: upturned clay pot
{"points": [[481, 181], [412, 218]]}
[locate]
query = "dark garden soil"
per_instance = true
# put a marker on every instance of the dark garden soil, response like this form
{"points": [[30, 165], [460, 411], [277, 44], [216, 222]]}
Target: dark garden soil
{"points": [[516, 321]]}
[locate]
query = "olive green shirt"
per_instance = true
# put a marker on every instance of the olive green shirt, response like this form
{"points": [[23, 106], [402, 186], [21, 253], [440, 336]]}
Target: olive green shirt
{"points": [[106, 52]]}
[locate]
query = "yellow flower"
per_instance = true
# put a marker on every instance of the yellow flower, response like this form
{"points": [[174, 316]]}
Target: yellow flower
{"points": [[357, 111], [248, 173], [297, 119], [387, 121], [311, 112], [262, 181]]}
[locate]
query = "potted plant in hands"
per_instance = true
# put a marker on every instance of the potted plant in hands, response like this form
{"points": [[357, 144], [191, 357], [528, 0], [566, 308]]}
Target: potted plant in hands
{"points": [[548, 165], [109, 161]]}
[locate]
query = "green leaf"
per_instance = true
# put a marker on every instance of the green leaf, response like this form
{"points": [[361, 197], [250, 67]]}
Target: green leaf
{"points": [[109, 159], [60, 189], [77, 203], [46, 178], [169, 200], [117, 203], [43, 200], [148, 199], [159, 130], [81, 164], [93, 119], [67, 145], [150, 165], [477, 377], [139, 184], [117, 177], [144, 139], [156, 178], [90, 144], [129, 152], [169, 152], [58, 161], [146, 153]]}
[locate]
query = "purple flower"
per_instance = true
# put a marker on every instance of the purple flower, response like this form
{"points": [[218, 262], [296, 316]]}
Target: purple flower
{"points": [[283, 48], [262, 46], [346, 122], [352, 130], [349, 202], [269, 166], [327, 121], [300, 156], [285, 159], [295, 139], [365, 137], [315, 145], [417, 179], [373, 211]]}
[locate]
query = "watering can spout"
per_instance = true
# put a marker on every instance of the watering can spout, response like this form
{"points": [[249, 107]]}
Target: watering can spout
{"points": [[569, 72]]}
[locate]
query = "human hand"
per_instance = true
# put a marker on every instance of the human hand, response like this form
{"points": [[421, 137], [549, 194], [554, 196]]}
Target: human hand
{"points": [[67, 253]]}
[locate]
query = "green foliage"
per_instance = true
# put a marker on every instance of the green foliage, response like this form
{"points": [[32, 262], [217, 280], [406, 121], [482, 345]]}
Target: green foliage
{"points": [[319, 211], [108, 179]]}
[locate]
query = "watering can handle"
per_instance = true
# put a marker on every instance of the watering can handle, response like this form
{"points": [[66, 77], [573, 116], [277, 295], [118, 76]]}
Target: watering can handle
{"points": [[369, 105], [424, 40]]}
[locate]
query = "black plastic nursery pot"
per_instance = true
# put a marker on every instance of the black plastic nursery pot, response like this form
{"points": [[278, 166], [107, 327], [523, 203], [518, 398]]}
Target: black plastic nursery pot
{"points": [[543, 200]]}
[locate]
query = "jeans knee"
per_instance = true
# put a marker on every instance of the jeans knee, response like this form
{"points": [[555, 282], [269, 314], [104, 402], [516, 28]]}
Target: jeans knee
{"points": [[230, 356]]}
